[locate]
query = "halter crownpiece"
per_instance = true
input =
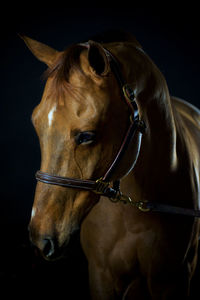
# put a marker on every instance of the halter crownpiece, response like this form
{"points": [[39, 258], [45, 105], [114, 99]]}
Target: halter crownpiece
{"points": [[102, 186]]}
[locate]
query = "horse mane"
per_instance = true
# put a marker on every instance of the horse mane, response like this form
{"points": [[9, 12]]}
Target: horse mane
{"points": [[70, 58]]}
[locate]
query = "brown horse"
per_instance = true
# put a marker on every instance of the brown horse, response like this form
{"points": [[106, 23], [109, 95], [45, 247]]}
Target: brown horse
{"points": [[81, 122]]}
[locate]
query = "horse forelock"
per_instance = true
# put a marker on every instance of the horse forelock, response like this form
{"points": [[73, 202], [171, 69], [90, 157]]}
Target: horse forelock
{"points": [[68, 59], [59, 73]]}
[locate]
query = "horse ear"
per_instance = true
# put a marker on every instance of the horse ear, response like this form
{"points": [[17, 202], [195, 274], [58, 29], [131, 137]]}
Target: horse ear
{"points": [[43, 52], [98, 59]]}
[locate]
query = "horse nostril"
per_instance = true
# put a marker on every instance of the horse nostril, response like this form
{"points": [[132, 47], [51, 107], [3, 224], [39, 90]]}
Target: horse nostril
{"points": [[48, 247]]}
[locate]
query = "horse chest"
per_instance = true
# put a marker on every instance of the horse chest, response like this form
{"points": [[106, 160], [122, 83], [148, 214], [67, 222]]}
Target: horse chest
{"points": [[115, 241]]}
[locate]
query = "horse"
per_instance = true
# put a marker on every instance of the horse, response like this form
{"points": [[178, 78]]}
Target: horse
{"points": [[106, 116]]}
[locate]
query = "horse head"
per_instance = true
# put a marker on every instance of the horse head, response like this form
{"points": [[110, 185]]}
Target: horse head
{"points": [[80, 122]]}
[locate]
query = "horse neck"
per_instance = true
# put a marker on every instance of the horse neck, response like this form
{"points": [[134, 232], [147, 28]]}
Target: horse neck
{"points": [[161, 133], [158, 157], [154, 103]]}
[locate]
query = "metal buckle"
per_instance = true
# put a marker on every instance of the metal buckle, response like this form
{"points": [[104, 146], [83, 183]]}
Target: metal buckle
{"points": [[128, 92], [101, 186], [141, 126], [121, 198], [142, 205], [101, 189]]}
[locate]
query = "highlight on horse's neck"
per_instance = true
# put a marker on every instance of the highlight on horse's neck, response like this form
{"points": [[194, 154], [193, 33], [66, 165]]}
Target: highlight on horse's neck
{"points": [[162, 128], [156, 164], [155, 107]]}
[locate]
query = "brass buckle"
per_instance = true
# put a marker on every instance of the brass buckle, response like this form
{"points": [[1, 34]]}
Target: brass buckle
{"points": [[128, 92], [121, 198], [141, 126], [142, 205], [101, 186], [101, 189]]}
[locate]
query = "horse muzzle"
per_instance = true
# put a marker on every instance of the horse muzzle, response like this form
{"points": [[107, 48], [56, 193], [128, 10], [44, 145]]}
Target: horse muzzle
{"points": [[49, 246]]}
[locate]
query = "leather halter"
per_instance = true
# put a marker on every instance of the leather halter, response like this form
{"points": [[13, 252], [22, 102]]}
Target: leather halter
{"points": [[102, 186]]}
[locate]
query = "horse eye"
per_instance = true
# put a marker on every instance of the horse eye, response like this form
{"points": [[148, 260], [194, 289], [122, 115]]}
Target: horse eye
{"points": [[85, 138]]}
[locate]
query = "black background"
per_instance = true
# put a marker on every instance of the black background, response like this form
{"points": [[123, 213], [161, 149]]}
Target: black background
{"points": [[168, 33]]}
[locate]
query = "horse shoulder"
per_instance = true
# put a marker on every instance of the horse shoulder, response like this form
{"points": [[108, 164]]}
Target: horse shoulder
{"points": [[113, 233]]}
